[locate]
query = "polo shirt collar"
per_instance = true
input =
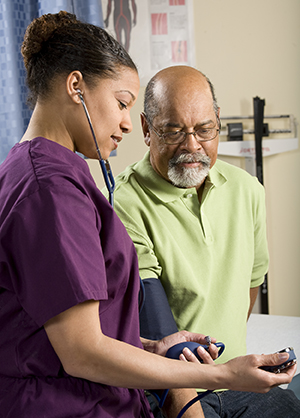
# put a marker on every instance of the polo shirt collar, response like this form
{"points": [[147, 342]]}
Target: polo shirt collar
{"points": [[164, 190]]}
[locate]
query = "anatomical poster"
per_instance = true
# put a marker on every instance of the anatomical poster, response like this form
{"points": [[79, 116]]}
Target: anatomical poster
{"points": [[156, 33]]}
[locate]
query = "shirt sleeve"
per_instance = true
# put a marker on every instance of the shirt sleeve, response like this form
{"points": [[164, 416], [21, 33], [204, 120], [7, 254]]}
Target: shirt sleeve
{"points": [[53, 244], [137, 227]]}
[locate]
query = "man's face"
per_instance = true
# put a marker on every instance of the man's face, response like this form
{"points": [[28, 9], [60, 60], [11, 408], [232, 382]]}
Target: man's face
{"points": [[186, 106]]}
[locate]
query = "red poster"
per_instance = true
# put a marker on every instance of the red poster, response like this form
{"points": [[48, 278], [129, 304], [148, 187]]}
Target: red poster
{"points": [[159, 23]]}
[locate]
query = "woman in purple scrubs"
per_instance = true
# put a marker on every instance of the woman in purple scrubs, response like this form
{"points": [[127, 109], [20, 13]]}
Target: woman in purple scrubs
{"points": [[69, 281]]}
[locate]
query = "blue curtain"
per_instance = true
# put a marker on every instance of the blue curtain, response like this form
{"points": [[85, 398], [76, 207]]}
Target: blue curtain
{"points": [[15, 16]]}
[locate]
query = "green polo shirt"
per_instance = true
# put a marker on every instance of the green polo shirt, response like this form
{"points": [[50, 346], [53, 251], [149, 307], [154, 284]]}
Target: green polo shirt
{"points": [[206, 255]]}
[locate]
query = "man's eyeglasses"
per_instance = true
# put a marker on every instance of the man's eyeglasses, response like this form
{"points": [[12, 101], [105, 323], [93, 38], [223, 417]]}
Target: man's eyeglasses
{"points": [[176, 137]]}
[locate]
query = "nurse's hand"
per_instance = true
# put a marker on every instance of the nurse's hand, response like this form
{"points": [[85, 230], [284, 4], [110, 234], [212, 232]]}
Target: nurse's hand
{"points": [[207, 357], [245, 373], [161, 346]]}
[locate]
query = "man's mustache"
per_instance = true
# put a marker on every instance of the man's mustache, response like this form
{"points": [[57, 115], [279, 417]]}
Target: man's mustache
{"points": [[196, 157]]}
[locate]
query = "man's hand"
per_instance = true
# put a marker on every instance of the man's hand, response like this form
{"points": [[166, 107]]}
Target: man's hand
{"points": [[161, 346], [178, 398]]}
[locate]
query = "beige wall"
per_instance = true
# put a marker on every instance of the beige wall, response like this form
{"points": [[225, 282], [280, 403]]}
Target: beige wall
{"points": [[251, 49]]}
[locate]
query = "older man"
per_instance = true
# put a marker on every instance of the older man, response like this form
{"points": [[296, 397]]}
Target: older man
{"points": [[199, 228]]}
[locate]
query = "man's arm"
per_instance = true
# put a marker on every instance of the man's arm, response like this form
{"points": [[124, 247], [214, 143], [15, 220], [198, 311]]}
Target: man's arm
{"points": [[156, 322], [156, 318], [177, 399], [253, 296]]}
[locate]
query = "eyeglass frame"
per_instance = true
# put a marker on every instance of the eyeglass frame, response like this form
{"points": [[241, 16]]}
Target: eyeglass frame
{"points": [[194, 133]]}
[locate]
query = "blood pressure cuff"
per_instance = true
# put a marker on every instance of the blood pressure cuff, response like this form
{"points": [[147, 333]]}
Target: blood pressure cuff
{"points": [[156, 318]]}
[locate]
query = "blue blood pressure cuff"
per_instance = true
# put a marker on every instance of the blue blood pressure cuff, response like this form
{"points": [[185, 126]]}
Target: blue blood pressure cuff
{"points": [[156, 318]]}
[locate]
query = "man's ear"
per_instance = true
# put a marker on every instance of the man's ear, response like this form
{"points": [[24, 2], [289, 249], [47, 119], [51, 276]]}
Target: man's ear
{"points": [[218, 118], [74, 83], [145, 128]]}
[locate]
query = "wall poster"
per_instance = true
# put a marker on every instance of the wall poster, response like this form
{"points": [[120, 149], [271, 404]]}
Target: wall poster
{"points": [[156, 33]]}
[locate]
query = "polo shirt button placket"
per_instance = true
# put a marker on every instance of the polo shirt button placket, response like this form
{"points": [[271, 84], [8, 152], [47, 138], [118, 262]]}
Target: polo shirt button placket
{"points": [[209, 239]]}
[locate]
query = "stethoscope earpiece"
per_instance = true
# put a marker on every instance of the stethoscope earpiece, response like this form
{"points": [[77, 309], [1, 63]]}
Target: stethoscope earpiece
{"points": [[79, 92]]}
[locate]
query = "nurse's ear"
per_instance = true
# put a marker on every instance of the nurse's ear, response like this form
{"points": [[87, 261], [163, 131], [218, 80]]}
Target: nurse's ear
{"points": [[74, 85], [145, 128]]}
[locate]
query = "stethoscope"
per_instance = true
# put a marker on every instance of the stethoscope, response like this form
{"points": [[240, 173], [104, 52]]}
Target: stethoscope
{"points": [[104, 164], [109, 182]]}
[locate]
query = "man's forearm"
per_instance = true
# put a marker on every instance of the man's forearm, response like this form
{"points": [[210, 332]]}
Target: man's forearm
{"points": [[177, 399]]}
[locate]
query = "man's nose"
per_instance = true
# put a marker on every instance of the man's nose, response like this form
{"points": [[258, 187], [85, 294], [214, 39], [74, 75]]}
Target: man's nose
{"points": [[190, 142]]}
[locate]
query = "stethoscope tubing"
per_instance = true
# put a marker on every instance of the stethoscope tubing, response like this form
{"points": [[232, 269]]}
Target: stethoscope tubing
{"points": [[104, 164]]}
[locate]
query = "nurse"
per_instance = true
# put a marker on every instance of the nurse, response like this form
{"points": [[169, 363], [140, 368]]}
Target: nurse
{"points": [[69, 280]]}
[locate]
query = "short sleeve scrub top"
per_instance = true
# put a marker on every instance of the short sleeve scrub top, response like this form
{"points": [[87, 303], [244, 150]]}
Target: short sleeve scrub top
{"points": [[61, 244]]}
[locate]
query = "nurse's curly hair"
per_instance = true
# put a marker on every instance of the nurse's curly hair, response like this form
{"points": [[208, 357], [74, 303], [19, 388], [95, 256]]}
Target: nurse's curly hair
{"points": [[57, 44]]}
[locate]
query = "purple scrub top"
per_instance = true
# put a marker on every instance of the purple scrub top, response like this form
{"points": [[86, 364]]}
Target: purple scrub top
{"points": [[61, 244]]}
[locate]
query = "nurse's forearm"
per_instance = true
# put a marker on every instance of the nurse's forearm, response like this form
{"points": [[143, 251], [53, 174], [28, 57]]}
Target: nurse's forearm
{"points": [[87, 353]]}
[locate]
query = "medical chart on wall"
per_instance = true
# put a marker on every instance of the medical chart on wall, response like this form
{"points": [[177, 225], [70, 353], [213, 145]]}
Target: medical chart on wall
{"points": [[156, 33]]}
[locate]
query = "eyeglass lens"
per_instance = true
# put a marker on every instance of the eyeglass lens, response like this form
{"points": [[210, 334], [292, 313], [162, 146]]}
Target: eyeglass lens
{"points": [[201, 135]]}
